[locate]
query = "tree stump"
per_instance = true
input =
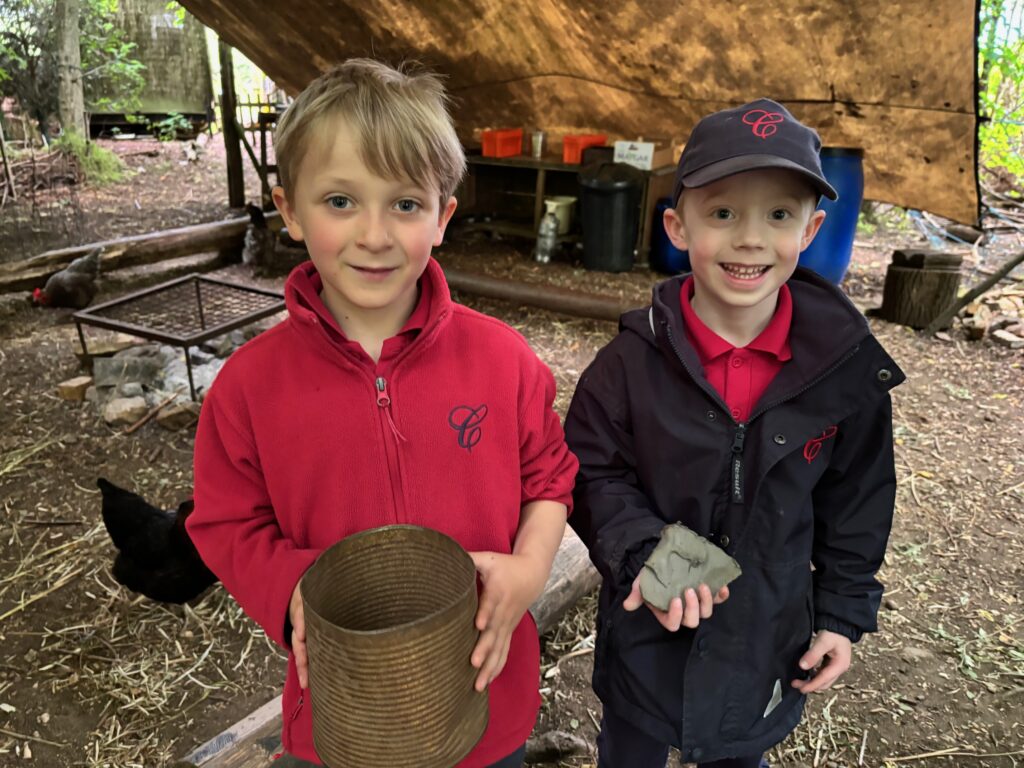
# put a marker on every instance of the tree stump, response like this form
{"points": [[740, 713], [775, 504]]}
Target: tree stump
{"points": [[919, 285]]}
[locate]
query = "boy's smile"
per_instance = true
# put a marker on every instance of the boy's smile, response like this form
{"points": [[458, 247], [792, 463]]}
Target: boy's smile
{"points": [[370, 237], [744, 234]]}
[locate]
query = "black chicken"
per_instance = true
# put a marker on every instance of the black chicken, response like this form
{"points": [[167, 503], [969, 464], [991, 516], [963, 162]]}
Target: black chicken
{"points": [[155, 555], [73, 287], [258, 250]]}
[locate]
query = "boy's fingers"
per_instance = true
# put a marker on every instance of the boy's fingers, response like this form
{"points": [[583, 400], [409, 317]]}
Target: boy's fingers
{"points": [[482, 649], [722, 596], [691, 610], [299, 649], [706, 603], [813, 657], [634, 599]]}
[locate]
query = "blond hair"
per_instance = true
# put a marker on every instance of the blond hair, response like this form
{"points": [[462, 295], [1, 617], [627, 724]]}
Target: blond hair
{"points": [[400, 115]]}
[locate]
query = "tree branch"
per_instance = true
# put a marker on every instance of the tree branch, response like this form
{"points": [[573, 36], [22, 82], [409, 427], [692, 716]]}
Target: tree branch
{"points": [[946, 316]]}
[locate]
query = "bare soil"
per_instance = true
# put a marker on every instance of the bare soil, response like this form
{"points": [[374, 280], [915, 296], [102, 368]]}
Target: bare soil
{"points": [[92, 675]]}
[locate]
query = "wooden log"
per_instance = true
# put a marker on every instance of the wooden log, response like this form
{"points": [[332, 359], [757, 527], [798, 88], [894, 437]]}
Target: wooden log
{"points": [[548, 297], [253, 741], [132, 251]]}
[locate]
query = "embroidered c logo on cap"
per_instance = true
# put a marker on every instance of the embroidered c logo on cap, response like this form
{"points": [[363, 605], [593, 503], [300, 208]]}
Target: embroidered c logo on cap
{"points": [[762, 123]]}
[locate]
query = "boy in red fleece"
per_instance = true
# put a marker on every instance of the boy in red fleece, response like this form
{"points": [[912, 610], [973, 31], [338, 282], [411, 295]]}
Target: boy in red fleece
{"points": [[379, 400]]}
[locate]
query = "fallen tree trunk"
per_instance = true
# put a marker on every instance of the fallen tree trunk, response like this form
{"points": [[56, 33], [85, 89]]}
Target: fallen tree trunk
{"points": [[538, 295], [253, 741], [131, 251]]}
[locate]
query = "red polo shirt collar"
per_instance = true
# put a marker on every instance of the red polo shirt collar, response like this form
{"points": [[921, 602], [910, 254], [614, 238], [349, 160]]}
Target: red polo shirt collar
{"points": [[773, 340]]}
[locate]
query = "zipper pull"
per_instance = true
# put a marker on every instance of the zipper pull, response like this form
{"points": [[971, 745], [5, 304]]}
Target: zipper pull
{"points": [[384, 401], [736, 478]]}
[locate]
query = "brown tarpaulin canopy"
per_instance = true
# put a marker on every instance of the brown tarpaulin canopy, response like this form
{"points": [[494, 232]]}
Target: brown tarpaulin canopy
{"points": [[894, 77]]}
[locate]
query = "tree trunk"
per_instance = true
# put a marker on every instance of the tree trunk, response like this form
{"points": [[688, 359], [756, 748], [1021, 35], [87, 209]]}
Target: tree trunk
{"points": [[915, 297], [71, 101], [232, 137]]}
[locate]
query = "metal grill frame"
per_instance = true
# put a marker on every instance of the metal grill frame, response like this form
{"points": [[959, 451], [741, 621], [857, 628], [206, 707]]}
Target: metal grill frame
{"points": [[89, 316]]}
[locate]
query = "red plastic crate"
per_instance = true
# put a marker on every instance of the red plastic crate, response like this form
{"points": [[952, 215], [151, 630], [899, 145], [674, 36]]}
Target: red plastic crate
{"points": [[574, 144], [506, 142]]}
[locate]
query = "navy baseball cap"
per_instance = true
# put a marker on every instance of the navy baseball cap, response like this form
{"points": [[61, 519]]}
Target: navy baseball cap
{"points": [[761, 134]]}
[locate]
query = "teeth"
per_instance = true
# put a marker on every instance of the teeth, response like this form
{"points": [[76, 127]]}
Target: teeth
{"points": [[744, 272]]}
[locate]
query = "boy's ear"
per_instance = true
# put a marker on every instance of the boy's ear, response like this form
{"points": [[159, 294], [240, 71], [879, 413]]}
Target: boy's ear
{"points": [[442, 220], [675, 229], [287, 212], [813, 225]]}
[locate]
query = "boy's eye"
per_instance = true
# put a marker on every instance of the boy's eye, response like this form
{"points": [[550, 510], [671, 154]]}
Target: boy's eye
{"points": [[724, 214], [339, 202], [780, 214], [407, 206]]}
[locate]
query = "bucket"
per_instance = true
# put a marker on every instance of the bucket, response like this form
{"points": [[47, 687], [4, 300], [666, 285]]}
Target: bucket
{"points": [[665, 257], [389, 629], [829, 254], [561, 206]]}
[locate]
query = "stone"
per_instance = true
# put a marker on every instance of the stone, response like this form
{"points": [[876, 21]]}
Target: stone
{"points": [[106, 344], [199, 356], [221, 346], [74, 389], [1007, 339], [553, 746], [111, 371], [975, 328], [912, 654], [125, 410], [130, 389], [13, 303], [178, 415], [683, 560]]}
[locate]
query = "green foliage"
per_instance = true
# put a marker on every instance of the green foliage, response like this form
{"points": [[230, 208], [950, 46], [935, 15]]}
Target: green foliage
{"points": [[28, 58], [1001, 84], [169, 128], [98, 165]]}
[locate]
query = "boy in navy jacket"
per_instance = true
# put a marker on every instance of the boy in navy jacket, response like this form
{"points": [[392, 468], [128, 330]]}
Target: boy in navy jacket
{"points": [[749, 402]]}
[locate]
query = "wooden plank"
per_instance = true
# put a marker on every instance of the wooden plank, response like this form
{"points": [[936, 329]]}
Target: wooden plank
{"points": [[253, 741]]}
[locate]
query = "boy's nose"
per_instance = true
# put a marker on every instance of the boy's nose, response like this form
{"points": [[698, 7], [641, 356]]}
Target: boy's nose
{"points": [[748, 235], [375, 235]]}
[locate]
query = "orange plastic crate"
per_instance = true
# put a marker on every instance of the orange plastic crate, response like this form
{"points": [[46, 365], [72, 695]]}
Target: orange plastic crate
{"points": [[574, 144], [506, 142]]}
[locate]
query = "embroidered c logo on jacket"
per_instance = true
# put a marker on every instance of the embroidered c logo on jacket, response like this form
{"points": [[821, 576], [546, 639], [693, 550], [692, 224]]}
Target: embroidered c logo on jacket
{"points": [[465, 420], [813, 446]]}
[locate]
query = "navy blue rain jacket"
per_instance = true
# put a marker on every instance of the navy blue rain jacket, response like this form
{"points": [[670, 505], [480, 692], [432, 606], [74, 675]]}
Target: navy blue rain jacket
{"points": [[809, 478]]}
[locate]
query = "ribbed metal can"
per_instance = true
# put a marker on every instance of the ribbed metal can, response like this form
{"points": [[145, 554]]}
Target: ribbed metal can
{"points": [[389, 629]]}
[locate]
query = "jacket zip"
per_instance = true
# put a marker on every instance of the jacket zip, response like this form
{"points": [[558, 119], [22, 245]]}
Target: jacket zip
{"points": [[736, 464], [391, 446]]}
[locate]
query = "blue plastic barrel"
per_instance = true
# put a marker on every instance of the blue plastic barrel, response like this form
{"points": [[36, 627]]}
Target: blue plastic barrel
{"points": [[665, 257], [829, 254]]}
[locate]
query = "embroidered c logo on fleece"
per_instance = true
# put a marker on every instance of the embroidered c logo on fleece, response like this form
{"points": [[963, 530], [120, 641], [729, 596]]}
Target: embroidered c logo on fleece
{"points": [[813, 446], [465, 420]]}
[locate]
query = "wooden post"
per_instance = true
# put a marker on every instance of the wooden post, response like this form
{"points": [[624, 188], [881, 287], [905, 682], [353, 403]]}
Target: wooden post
{"points": [[236, 178], [7, 167]]}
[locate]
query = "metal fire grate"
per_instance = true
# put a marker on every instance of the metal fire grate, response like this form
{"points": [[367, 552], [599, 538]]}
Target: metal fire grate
{"points": [[183, 313]]}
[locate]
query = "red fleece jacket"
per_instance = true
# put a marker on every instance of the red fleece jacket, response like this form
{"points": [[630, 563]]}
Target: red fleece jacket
{"points": [[295, 450]]}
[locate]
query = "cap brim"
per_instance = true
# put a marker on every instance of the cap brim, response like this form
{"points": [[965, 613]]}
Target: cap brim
{"points": [[744, 163]]}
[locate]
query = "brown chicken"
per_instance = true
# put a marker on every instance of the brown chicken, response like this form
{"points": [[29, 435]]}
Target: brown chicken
{"points": [[73, 287], [155, 555]]}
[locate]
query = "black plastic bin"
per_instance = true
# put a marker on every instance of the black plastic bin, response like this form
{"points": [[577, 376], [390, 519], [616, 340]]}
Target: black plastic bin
{"points": [[610, 215]]}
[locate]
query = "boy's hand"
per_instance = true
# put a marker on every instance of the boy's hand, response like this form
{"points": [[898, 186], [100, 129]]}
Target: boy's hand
{"points": [[698, 605], [511, 584], [298, 620], [836, 650]]}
